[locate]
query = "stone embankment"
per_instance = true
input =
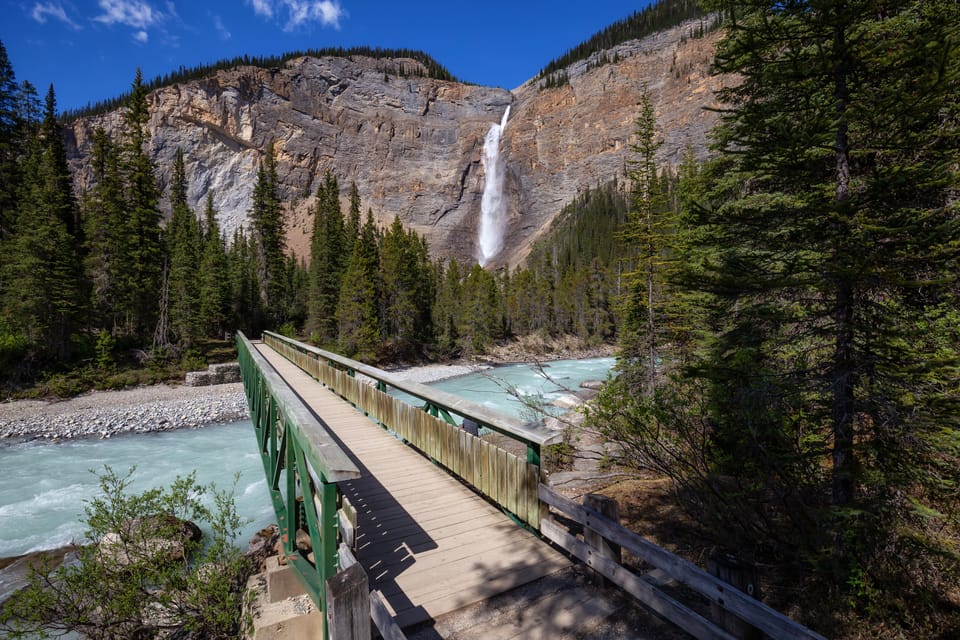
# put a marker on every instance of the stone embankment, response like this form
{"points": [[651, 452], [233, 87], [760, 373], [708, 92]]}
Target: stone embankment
{"points": [[102, 414]]}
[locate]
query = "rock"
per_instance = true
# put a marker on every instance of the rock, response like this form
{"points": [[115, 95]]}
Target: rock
{"points": [[303, 541], [156, 538], [198, 379], [226, 372], [566, 401], [594, 385], [262, 545], [413, 144]]}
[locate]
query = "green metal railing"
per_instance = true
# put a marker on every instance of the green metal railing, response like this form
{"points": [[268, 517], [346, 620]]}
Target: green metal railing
{"points": [[302, 463]]}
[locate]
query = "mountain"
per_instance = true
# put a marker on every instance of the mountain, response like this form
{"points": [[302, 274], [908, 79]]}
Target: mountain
{"points": [[413, 143]]}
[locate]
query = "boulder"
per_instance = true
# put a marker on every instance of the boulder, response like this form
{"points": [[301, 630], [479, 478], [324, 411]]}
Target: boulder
{"points": [[156, 538], [225, 372], [198, 379]]}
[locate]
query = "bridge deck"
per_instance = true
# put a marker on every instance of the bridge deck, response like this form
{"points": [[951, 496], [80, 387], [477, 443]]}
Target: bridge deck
{"points": [[427, 542]]}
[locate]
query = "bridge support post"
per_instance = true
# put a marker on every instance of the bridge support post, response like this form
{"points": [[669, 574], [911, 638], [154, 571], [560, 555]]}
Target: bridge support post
{"points": [[348, 605]]}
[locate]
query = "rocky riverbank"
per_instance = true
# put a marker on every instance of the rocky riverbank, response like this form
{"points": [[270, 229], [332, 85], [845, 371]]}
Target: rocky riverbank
{"points": [[102, 414]]}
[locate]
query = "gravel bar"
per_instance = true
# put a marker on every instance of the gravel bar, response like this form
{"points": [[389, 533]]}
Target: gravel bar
{"points": [[102, 414]]}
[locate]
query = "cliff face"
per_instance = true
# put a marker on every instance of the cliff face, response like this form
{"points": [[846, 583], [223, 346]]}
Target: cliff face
{"points": [[412, 144]]}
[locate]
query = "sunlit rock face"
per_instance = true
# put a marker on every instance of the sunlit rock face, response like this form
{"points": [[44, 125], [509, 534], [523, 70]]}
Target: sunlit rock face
{"points": [[413, 145]]}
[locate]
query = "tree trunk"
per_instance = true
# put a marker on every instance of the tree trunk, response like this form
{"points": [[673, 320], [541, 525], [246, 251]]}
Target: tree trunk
{"points": [[843, 374]]}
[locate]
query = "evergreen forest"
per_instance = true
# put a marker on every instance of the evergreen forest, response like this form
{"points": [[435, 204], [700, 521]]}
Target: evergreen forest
{"points": [[96, 286]]}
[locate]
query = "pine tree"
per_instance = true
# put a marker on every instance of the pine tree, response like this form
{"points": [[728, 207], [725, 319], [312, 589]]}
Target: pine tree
{"points": [[646, 236], [247, 312], [833, 238], [327, 262], [183, 248], [352, 228], [44, 296], [9, 175], [358, 317], [142, 258], [448, 308], [105, 232], [214, 279], [406, 292], [266, 217]]}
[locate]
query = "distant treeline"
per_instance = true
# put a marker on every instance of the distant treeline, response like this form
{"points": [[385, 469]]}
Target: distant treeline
{"points": [[656, 17], [431, 69]]}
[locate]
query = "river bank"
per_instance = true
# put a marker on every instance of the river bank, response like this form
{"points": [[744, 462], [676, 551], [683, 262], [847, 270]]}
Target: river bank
{"points": [[164, 407], [154, 408]]}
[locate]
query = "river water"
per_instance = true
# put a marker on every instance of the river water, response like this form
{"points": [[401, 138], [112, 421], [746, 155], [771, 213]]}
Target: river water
{"points": [[43, 486]]}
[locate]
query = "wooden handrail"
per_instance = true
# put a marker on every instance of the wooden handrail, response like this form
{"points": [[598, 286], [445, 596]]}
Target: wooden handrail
{"points": [[323, 452], [524, 432], [764, 618]]}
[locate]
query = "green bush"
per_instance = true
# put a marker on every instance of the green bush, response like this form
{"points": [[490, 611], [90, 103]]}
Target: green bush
{"points": [[143, 573]]}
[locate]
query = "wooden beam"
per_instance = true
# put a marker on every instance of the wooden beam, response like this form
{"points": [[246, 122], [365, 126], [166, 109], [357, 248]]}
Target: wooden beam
{"points": [[384, 622], [526, 432], [768, 620], [348, 605], [682, 616], [320, 448]]}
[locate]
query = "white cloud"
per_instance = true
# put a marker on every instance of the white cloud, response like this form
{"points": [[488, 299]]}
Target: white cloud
{"points": [[263, 8], [41, 10], [301, 12], [141, 36], [221, 28], [136, 14]]}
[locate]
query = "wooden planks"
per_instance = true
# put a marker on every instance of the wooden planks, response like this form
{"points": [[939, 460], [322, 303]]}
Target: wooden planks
{"points": [[429, 544]]}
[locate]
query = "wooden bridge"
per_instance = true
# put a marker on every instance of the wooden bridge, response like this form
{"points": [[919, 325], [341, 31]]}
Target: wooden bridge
{"points": [[420, 516]]}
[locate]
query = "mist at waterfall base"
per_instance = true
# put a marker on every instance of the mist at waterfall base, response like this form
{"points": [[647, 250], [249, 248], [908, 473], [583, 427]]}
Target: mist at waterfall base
{"points": [[493, 207], [44, 485]]}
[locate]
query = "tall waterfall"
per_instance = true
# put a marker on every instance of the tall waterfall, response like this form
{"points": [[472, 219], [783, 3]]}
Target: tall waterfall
{"points": [[493, 207]]}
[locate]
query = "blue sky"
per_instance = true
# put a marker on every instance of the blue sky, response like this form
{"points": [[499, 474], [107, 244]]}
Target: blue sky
{"points": [[90, 49]]}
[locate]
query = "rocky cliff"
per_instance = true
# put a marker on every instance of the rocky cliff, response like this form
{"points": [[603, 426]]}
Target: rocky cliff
{"points": [[413, 144]]}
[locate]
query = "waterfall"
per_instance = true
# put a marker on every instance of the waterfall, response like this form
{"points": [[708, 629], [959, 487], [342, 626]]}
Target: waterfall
{"points": [[493, 207]]}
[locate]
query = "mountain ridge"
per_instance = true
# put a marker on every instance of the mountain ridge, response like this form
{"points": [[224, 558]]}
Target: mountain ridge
{"points": [[413, 144]]}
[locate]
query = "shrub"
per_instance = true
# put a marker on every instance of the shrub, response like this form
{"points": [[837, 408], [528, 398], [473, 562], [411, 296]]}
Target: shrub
{"points": [[194, 594]]}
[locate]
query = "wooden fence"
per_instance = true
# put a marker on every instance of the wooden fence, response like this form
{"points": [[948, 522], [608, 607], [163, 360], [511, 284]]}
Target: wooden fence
{"points": [[506, 479], [668, 567]]}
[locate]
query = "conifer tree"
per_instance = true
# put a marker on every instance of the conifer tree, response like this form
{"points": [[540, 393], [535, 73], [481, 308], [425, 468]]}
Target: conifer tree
{"points": [[44, 295], [266, 217], [214, 278], [183, 249], [352, 228], [327, 261], [8, 148], [142, 258], [833, 237], [358, 317], [105, 232], [448, 308], [244, 272], [406, 289], [646, 237]]}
